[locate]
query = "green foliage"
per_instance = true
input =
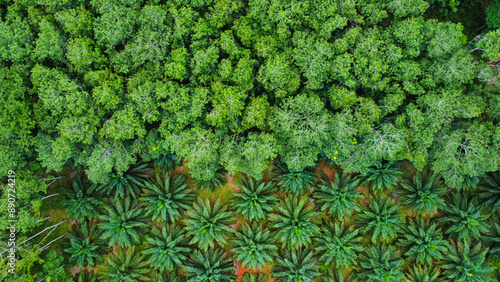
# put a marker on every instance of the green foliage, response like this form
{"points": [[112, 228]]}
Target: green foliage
{"points": [[493, 14], [124, 223], [86, 276], [210, 265], [338, 197], [53, 269], [254, 201], [217, 179], [381, 176], [295, 265], [423, 194], [380, 263], [125, 265], [86, 245], [463, 262], [295, 222], [382, 219], [422, 274], [490, 190], [247, 277], [338, 245], [465, 216], [424, 241], [128, 184], [168, 161], [294, 181], [166, 197], [253, 246], [168, 248], [82, 201], [209, 224]]}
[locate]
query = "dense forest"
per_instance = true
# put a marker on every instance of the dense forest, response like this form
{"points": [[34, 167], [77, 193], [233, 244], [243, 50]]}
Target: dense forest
{"points": [[261, 140]]}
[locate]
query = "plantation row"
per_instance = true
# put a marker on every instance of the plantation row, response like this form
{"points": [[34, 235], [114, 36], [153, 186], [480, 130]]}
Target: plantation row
{"points": [[389, 224]]}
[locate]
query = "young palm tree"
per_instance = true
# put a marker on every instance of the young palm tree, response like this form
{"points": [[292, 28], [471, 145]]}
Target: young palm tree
{"points": [[338, 197], [86, 246], [295, 265], [255, 199], [492, 238], [166, 197], [490, 190], [217, 180], [422, 274], [336, 275], [255, 277], [212, 265], [466, 217], [126, 266], [83, 200], [296, 222], [129, 184], [170, 277], [294, 181], [423, 194], [380, 263], [382, 219], [424, 241], [381, 176], [124, 224], [465, 263], [168, 248], [208, 224], [85, 276], [338, 245], [167, 161], [253, 246]]}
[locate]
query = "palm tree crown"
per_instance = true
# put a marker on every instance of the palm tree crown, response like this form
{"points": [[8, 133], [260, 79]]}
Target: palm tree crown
{"points": [[253, 247], [124, 223], [129, 184], [490, 191], [295, 265], [294, 181], [255, 200], [465, 263], [166, 197], [424, 194], [339, 196], [125, 266], [83, 200], [417, 273], [382, 176], [168, 248], [208, 224], [382, 218], [380, 263], [423, 240], [295, 222], [338, 245], [86, 246], [212, 265]]}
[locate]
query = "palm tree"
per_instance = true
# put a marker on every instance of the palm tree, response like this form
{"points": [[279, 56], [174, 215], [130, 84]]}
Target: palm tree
{"points": [[381, 176], [336, 275], [125, 266], [208, 224], [256, 277], [338, 245], [83, 200], [129, 184], [466, 217], [294, 181], [423, 194], [465, 263], [217, 180], [166, 197], [168, 248], [167, 161], [124, 224], [492, 238], [380, 263], [253, 246], [255, 200], [170, 277], [212, 265], [422, 274], [86, 276], [424, 241], [490, 191], [295, 222], [86, 246], [295, 265], [382, 219], [339, 196]]}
